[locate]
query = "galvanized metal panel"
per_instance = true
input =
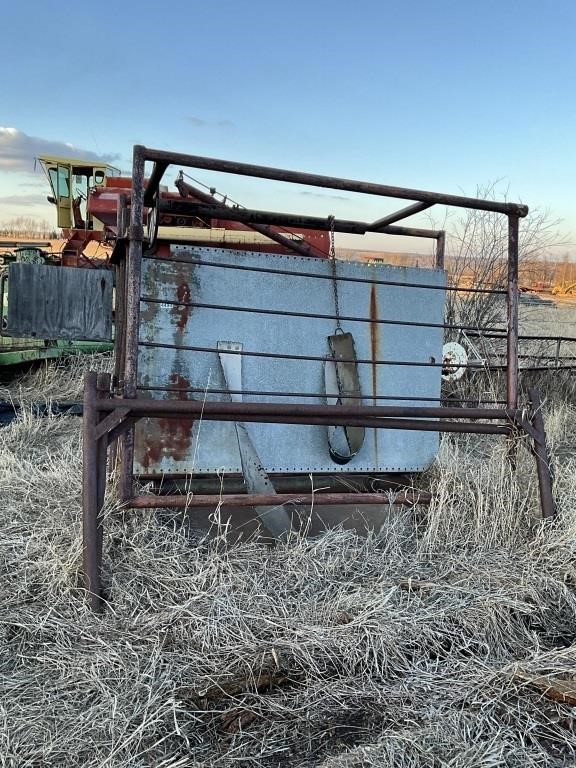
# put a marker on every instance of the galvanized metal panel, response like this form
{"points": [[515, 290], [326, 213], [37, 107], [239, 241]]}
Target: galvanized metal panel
{"points": [[168, 447], [59, 302]]}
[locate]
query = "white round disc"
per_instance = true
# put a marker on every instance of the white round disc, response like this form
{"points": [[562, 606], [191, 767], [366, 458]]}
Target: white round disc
{"points": [[454, 359]]}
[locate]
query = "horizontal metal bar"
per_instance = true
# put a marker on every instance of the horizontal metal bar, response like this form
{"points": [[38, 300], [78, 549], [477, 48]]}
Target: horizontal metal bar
{"points": [[369, 422], [270, 393], [339, 278], [289, 313], [566, 339], [497, 334], [313, 415], [318, 358], [193, 211], [528, 368], [317, 180], [417, 425], [241, 410], [255, 500], [538, 358]]}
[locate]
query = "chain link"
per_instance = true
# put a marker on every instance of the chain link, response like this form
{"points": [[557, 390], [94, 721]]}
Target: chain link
{"points": [[339, 328]]}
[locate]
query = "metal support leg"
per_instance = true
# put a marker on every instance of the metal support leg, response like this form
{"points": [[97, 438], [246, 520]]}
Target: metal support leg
{"points": [[91, 550], [512, 337], [540, 450], [131, 314], [103, 391]]}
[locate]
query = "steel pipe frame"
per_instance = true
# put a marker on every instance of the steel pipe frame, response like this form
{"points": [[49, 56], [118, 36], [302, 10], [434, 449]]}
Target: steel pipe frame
{"points": [[163, 159], [284, 482], [105, 417], [94, 449], [108, 419], [321, 415], [191, 210], [514, 211], [142, 196], [145, 406]]}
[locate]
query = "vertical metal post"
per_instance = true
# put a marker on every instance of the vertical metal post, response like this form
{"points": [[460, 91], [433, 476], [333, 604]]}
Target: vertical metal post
{"points": [[440, 250], [512, 345], [558, 353], [102, 391], [91, 553], [119, 323], [117, 447], [543, 466], [132, 312]]}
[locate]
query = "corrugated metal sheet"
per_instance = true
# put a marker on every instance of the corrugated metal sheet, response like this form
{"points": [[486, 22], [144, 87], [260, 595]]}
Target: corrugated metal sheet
{"points": [[164, 446]]}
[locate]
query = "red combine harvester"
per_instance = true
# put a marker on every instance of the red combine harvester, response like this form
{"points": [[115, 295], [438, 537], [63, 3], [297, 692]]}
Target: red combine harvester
{"points": [[47, 313]]}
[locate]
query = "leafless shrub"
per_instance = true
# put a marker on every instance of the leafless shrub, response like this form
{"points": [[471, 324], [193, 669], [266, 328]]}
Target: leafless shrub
{"points": [[477, 256]]}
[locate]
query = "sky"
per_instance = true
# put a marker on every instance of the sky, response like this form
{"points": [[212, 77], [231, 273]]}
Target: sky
{"points": [[438, 95]]}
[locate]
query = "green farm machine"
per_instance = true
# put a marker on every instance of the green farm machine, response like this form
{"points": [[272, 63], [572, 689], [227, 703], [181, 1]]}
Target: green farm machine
{"points": [[43, 309]]}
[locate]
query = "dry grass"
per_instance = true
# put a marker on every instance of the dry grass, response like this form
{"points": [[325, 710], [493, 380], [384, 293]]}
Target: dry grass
{"points": [[398, 649], [55, 379]]}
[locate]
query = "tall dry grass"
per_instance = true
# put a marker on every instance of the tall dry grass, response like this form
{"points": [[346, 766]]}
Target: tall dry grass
{"points": [[417, 645]]}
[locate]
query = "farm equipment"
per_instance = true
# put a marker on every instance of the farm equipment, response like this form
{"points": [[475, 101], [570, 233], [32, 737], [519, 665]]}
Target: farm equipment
{"points": [[88, 197], [254, 370], [34, 324], [47, 308]]}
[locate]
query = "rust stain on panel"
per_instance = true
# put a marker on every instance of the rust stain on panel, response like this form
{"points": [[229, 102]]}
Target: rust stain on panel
{"points": [[182, 313], [168, 438], [168, 442]]}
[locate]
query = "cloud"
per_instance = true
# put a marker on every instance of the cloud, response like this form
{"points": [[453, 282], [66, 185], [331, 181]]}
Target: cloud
{"points": [[199, 122], [18, 150], [324, 195], [23, 201], [32, 184]]}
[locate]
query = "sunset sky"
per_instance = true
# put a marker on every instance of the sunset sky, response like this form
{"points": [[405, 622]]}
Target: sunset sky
{"points": [[441, 95]]}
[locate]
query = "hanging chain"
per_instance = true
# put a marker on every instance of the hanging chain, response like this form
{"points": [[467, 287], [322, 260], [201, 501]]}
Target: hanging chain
{"points": [[339, 328]]}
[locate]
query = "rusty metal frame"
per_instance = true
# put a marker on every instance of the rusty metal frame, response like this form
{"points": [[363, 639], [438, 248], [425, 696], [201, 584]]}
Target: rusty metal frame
{"points": [[111, 409]]}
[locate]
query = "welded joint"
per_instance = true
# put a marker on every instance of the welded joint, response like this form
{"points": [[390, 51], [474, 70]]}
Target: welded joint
{"points": [[114, 419]]}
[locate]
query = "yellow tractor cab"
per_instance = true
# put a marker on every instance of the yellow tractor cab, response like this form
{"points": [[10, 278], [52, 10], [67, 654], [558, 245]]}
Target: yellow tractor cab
{"points": [[71, 182]]}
